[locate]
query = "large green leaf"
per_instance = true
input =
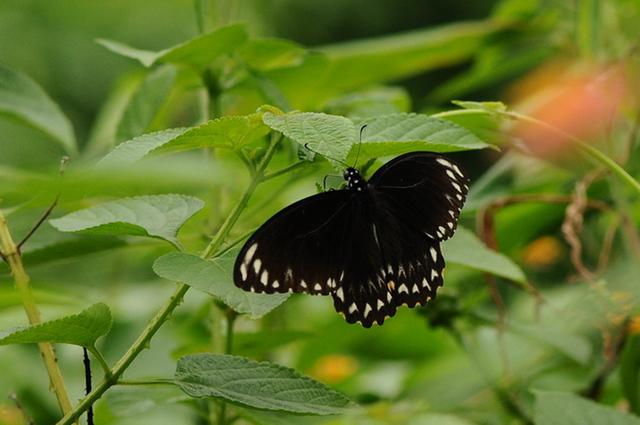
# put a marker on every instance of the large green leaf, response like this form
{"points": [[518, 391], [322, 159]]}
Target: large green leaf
{"points": [[146, 102], [135, 149], [400, 133], [215, 277], [557, 408], [467, 250], [23, 99], [328, 135], [363, 62], [157, 216], [199, 51], [264, 54], [261, 385], [230, 132], [82, 329], [630, 372]]}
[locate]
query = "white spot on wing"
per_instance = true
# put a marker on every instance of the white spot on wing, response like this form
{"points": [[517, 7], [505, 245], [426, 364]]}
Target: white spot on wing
{"points": [[380, 304], [243, 271], [340, 294], [249, 255], [367, 310], [317, 287], [276, 284], [303, 284], [444, 162], [264, 278], [455, 167], [403, 288], [425, 284], [256, 265], [434, 254], [353, 307], [389, 297], [450, 224], [451, 175], [434, 274], [457, 186], [415, 288]]}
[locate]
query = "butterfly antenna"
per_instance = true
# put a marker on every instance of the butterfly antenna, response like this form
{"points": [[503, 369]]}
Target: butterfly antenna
{"points": [[359, 145], [306, 145]]}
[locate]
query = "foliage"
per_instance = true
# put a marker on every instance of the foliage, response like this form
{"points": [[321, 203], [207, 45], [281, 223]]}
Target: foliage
{"points": [[200, 141]]}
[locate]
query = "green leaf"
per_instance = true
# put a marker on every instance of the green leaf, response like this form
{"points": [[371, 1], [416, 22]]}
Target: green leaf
{"points": [[400, 133], [557, 408], [630, 372], [574, 346], [23, 99], [364, 62], [199, 51], [263, 54], [68, 248], [371, 102], [135, 149], [81, 329], [215, 277], [231, 132], [467, 250], [156, 216], [270, 417], [328, 135], [146, 102], [486, 106], [261, 385]]}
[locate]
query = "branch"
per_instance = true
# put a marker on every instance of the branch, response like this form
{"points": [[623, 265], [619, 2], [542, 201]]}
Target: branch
{"points": [[21, 278], [163, 314]]}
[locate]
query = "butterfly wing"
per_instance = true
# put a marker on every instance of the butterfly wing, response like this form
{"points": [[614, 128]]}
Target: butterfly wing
{"points": [[424, 190], [414, 203], [298, 249]]}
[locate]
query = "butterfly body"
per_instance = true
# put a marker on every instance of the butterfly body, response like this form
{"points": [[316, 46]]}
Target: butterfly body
{"points": [[372, 246]]}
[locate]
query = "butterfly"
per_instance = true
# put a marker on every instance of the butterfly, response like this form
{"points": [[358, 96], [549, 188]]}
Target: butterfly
{"points": [[372, 245]]}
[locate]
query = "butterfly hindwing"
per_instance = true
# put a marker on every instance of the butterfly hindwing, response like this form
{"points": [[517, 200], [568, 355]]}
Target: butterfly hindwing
{"points": [[373, 247]]}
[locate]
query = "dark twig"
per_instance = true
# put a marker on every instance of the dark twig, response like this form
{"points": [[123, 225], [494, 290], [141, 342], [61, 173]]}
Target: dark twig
{"points": [[87, 382], [39, 222], [573, 222], [613, 347]]}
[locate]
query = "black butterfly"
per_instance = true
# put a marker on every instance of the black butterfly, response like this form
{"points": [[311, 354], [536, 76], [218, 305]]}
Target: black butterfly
{"points": [[372, 246]]}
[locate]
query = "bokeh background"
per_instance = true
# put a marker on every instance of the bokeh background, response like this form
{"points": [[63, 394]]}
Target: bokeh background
{"points": [[573, 64]]}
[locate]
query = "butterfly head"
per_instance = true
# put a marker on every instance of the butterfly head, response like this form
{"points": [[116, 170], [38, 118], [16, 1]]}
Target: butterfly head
{"points": [[354, 179]]}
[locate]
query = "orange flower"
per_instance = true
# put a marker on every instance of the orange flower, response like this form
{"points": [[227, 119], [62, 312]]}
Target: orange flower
{"points": [[334, 368], [581, 103], [542, 252]]}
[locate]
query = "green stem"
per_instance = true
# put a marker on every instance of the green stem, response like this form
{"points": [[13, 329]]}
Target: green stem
{"points": [[285, 170], [145, 382], [103, 363], [591, 152], [158, 320], [233, 216], [10, 252]]}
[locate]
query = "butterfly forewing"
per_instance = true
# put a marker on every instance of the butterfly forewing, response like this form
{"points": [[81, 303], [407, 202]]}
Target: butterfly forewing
{"points": [[295, 250], [425, 190], [373, 250]]}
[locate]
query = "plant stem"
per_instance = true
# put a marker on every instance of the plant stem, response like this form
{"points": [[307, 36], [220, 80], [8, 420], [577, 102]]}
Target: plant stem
{"points": [[233, 216], [103, 363], [587, 149], [21, 278], [285, 169], [158, 320]]}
